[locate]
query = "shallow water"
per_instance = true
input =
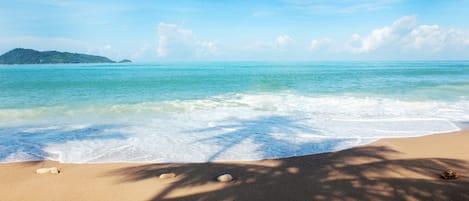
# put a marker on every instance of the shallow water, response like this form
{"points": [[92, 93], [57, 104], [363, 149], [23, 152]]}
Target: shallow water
{"points": [[194, 112]]}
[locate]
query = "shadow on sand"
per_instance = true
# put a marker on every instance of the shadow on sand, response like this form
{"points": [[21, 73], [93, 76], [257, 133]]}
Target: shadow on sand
{"points": [[329, 176], [361, 173]]}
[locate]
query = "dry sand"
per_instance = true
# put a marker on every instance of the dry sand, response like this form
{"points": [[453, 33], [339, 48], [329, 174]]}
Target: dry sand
{"points": [[390, 169]]}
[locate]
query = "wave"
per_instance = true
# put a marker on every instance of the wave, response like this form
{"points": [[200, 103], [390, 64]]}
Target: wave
{"points": [[225, 127]]}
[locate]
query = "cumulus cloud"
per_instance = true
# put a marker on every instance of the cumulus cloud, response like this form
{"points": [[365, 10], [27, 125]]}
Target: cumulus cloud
{"points": [[207, 48], [174, 39], [405, 35], [177, 42], [317, 44], [283, 40], [383, 36], [434, 38], [280, 43]]}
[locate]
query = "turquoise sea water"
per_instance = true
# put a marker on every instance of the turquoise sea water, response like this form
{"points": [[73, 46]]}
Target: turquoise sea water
{"points": [[222, 110]]}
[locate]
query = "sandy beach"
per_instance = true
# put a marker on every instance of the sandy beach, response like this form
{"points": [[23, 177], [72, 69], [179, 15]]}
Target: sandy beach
{"points": [[389, 169], [281, 100]]}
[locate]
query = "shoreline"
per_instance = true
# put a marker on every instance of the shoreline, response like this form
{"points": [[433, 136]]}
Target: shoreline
{"points": [[460, 128], [387, 169]]}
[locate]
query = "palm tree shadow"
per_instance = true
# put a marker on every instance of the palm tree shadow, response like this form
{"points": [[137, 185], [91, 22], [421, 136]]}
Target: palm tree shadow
{"points": [[275, 136], [360, 173], [31, 140], [327, 176]]}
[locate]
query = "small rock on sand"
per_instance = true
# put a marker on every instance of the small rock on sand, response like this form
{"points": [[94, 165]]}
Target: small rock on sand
{"points": [[225, 178], [167, 175], [449, 174], [52, 170]]}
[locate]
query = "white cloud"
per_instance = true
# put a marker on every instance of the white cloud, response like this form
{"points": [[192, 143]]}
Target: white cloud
{"points": [[434, 38], [173, 39], [404, 23], [405, 36], [207, 48], [283, 40], [280, 43], [177, 42], [425, 35], [317, 44], [381, 37]]}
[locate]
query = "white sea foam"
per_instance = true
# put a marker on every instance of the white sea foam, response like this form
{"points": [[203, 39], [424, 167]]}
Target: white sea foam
{"points": [[228, 127]]}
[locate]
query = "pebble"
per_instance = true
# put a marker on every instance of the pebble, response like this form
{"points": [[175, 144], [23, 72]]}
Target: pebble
{"points": [[225, 178], [449, 174], [167, 175], [52, 170]]}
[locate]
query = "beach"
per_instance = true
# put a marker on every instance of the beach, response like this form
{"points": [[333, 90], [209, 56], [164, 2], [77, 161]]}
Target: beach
{"points": [[283, 100], [389, 169]]}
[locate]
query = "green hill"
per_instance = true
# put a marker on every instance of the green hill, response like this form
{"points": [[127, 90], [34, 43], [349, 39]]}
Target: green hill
{"points": [[29, 56]]}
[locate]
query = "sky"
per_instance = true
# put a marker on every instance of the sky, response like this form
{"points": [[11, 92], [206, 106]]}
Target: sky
{"points": [[219, 30]]}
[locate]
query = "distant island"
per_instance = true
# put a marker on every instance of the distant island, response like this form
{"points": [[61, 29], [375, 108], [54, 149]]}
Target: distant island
{"points": [[125, 61], [29, 56]]}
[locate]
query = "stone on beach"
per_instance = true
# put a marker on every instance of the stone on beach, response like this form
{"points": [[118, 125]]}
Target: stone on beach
{"points": [[449, 174], [52, 170], [225, 178], [167, 175]]}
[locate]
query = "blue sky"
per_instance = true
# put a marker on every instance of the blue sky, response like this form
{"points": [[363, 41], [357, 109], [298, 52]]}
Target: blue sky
{"points": [[240, 30]]}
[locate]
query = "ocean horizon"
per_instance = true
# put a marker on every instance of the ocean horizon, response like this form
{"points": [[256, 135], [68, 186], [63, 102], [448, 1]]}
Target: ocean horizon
{"points": [[220, 111]]}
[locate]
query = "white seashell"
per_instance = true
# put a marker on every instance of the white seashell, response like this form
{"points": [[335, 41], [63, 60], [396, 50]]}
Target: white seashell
{"points": [[167, 175], [42, 171], [225, 178], [52, 170]]}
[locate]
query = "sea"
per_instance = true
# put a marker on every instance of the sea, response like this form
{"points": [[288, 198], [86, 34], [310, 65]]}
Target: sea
{"points": [[222, 111]]}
